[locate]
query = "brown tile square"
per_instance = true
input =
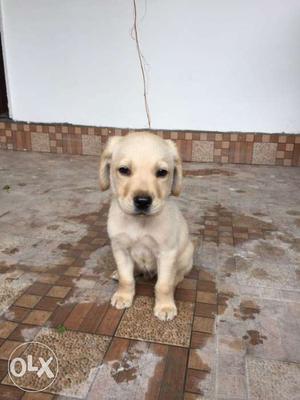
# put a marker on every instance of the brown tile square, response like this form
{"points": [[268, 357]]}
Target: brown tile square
{"points": [[206, 286], [48, 303], [224, 159], [92, 319], [205, 310], [8, 347], [47, 278], [143, 289], [202, 324], [241, 152], [37, 317], [199, 339], [73, 271], [205, 275], [60, 314], [110, 321], [58, 291], [274, 138], [258, 138], [188, 284], [65, 280], [139, 322], [203, 136], [225, 145], [6, 328], [266, 138], [16, 314], [196, 362], [282, 139], [27, 300], [24, 332], [185, 295], [191, 396], [10, 393], [3, 370], [193, 380], [77, 315], [38, 396], [281, 146], [249, 137], [39, 289], [206, 297], [288, 155], [289, 147], [280, 154]]}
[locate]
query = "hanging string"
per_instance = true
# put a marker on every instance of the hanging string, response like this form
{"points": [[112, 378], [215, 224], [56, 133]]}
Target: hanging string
{"points": [[141, 61]]}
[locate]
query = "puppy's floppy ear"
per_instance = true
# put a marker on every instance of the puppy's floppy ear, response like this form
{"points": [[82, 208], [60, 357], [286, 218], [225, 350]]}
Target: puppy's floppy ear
{"points": [[177, 176], [105, 162]]}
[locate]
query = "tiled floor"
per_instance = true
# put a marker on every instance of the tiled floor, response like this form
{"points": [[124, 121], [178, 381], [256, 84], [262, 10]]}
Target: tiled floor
{"points": [[237, 334]]}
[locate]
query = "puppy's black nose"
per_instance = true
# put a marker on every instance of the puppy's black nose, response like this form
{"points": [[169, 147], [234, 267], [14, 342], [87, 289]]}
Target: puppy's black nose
{"points": [[142, 203]]}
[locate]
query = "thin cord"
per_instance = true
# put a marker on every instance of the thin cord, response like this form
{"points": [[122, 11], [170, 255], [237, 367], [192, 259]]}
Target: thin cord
{"points": [[136, 38]]}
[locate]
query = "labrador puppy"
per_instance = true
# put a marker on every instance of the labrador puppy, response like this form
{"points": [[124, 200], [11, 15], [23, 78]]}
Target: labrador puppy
{"points": [[147, 231]]}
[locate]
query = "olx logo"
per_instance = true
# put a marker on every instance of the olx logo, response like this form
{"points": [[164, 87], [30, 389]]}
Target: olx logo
{"points": [[33, 366], [30, 367]]}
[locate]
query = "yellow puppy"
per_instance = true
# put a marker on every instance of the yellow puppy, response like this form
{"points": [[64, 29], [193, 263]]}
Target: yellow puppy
{"points": [[146, 228]]}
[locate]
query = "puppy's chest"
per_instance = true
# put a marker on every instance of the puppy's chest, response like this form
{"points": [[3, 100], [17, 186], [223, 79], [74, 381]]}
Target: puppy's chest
{"points": [[144, 252]]}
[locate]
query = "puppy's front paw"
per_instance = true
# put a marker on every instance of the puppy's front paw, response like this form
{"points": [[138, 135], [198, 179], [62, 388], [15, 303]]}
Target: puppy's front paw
{"points": [[122, 300], [165, 312]]}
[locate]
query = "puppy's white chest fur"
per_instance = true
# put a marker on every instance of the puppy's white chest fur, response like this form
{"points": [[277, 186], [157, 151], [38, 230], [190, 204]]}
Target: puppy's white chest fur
{"points": [[144, 252]]}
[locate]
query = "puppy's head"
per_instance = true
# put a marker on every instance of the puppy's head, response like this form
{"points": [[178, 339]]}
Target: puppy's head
{"points": [[142, 170]]}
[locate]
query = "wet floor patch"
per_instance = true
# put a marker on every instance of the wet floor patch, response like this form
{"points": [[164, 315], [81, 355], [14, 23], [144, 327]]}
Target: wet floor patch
{"points": [[207, 172], [131, 370], [247, 310], [223, 226], [12, 284], [254, 337]]}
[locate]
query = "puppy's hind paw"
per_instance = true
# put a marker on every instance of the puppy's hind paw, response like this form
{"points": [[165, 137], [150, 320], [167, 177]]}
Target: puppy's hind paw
{"points": [[165, 313], [121, 300]]}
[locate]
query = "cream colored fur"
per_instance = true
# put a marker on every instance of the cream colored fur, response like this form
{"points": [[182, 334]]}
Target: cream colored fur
{"points": [[157, 242]]}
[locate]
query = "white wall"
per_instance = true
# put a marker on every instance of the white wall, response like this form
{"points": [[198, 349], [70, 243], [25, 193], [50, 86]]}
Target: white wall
{"points": [[212, 64]]}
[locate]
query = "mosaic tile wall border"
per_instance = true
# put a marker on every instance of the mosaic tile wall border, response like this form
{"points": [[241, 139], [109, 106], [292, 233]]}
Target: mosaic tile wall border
{"points": [[197, 146]]}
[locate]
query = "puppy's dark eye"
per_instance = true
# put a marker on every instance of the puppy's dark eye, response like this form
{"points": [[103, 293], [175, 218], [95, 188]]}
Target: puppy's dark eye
{"points": [[161, 173], [125, 171]]}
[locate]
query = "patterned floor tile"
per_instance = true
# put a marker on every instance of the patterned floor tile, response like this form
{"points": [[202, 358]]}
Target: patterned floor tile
{"points": [[139, 322], [273, 380], [78, 354]]}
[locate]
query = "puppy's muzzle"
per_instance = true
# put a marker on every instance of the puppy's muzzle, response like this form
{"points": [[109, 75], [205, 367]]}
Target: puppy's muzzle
{"points": [[142, 203]]}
